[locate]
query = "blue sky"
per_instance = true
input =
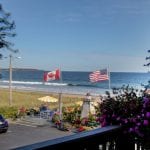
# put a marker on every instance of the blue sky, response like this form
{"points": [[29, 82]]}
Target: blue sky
{"points": [[80, 35]]}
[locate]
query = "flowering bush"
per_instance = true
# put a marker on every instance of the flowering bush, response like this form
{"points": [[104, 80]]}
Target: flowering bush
{"points": [[129, 108], [56, 118], [71, 114]]}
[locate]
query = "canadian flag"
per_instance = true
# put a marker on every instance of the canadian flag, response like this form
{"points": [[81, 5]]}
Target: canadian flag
{"points": [[52, 75]]}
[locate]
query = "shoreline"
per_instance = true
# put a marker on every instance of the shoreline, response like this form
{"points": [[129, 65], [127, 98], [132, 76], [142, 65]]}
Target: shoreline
{"points": [[52, 92], [44, 92]]}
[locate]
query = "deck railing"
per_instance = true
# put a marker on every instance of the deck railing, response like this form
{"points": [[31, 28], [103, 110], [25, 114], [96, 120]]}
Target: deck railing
{"points": [[106, 138]]}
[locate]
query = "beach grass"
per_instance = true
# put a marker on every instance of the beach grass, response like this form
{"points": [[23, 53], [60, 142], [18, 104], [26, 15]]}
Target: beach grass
{"points": [[29, 99]]}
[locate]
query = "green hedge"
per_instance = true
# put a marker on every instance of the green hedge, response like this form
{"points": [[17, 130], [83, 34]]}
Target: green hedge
{"points": [[9, 112]]}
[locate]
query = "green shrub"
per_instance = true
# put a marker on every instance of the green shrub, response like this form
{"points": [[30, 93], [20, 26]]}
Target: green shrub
{"points": [[9, 112]]}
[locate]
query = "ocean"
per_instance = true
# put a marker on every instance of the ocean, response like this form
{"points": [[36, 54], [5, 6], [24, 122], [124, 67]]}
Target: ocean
{"points": [[73, 82]]}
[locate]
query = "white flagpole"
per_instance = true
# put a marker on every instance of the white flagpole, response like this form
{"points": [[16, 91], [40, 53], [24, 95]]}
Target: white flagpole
{"points": [[60, 96]]}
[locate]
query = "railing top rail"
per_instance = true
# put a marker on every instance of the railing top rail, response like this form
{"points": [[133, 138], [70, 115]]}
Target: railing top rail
{"points": [[71, 138]]}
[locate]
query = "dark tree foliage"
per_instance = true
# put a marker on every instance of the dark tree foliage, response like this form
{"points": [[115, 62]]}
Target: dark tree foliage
{"points": [[147, 65], [147, 58], [6, 30]]}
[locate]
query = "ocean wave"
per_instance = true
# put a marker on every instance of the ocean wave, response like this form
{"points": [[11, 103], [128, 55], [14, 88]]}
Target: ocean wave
{"points": [[50, 83], [34, 83], [56, 84], [85, 85]]}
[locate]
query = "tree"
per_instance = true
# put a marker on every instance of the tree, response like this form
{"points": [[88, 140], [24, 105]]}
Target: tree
{"points": [[6, 30], [147, 65], [148, 59]]}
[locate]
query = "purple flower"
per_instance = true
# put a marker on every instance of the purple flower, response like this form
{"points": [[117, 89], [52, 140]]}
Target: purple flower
{"points": [[101, 119], [131, 130], [143, 115], [146, 122], [138, 116], [113, 116], [118, 118], [125, 120], [133, 120], [145, 99], [103, 124], [148, 114], [138, 124], [136, 129], [104, 115]]}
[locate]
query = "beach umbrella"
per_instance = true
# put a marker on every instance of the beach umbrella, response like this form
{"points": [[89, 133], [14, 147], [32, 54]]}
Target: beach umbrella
{"points": [[49, 99], [79, 103]]}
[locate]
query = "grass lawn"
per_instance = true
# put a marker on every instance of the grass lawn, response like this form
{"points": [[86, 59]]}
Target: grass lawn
{"points": [[29, 99]]}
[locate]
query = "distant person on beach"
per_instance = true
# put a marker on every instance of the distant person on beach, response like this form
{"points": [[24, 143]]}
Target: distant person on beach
{"points": [[85, 110], [22, 111]]}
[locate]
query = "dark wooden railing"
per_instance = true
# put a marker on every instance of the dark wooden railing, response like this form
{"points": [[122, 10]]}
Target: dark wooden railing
{"points": [[106, 138]]}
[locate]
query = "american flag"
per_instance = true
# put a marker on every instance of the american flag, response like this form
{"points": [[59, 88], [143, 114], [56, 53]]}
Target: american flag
{"points": [[99, 75]]}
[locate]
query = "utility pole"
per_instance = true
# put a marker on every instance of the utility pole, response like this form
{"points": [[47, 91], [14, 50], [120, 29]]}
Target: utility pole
{"points": [[10, 77]]}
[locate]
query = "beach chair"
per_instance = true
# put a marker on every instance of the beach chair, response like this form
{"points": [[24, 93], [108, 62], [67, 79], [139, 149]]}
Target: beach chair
{"points": [[47, 114]]}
